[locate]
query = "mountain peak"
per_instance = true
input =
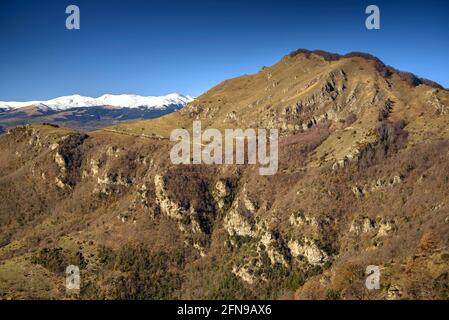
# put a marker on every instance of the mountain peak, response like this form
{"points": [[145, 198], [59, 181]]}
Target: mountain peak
{"points": [[385, 70], [119, 101]]}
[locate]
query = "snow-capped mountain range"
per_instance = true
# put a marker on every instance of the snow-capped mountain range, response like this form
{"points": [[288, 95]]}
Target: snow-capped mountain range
{"points": [[118, 101], [86, 113]]}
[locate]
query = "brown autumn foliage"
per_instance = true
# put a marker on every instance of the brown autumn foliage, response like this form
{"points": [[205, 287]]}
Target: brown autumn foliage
{"points": [[364, 184]]}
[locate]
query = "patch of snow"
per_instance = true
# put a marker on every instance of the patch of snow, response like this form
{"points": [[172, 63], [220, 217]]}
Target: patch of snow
{"points": [[118, 101]]}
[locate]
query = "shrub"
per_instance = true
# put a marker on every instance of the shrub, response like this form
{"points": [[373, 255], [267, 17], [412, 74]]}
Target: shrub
{"points": [[140, 274], [51, 259], [350, 119]]}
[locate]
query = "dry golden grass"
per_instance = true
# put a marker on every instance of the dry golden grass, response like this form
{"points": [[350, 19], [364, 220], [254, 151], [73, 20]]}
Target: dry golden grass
{"points": [[388, 206]]}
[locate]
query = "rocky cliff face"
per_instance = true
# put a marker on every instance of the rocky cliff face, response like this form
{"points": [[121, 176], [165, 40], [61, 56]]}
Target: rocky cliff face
{"points": [[362, 180]]}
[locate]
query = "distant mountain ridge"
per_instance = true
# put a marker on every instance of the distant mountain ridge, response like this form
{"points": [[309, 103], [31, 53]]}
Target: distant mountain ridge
{"points": [[120, 101], [87, 113]]}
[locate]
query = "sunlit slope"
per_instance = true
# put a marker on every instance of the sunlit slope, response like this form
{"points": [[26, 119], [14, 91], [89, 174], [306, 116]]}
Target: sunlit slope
{"points": [[304, 89]]}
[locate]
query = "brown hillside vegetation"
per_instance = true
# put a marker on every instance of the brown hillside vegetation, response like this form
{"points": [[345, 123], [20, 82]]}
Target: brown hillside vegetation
{"points": [[363, 180]]}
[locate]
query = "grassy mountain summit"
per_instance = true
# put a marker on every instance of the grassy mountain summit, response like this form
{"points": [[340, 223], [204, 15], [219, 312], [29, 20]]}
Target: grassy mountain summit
{"points": [[362, 180], [307, 88]]}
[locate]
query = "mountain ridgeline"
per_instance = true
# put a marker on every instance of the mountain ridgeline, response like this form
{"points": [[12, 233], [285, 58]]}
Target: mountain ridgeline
{"points": [[86, 114], [362, 181]]}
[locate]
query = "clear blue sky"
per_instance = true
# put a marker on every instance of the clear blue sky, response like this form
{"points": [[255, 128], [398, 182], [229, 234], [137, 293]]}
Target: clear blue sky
{"points": [[156, 47]]}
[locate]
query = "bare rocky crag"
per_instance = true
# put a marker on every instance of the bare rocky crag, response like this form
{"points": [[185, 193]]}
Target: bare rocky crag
{"points": [[362, 180]]}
